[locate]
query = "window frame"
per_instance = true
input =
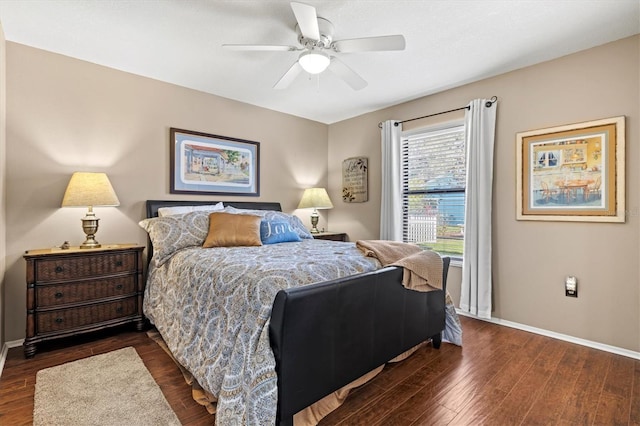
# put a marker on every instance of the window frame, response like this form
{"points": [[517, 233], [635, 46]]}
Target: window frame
{"points": [[459, 123]]}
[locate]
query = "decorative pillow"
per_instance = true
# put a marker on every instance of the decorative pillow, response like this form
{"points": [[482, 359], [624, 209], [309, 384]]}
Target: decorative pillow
{"points": [[171, 233], [230, 230], [277, 231], [294, 221], [169, 211]]}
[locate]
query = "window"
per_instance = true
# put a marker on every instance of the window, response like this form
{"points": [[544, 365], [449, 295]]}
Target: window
{"points": [[547, 159], [433, 188]]}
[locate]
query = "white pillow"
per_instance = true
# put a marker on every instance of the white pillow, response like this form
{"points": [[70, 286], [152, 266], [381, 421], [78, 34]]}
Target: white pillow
{"points": [[170, 211]]}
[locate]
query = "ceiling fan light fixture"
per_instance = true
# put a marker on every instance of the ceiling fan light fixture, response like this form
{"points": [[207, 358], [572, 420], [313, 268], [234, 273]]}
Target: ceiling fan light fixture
{"points": [[314, 61]]}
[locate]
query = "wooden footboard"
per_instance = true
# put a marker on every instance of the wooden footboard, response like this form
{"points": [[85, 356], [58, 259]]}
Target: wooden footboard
{"points": [[328, 334]]}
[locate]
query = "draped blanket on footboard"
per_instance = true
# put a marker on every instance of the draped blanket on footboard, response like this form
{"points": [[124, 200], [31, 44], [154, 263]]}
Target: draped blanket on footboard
{"points": [[212, 307]]}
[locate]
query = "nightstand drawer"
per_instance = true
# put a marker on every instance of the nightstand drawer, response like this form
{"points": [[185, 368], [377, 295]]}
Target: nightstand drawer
{"points": [[331, 236], [64, 319], [55, 269], [61, 294]]}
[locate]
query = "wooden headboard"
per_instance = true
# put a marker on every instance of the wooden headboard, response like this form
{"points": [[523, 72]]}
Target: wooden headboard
{"points": [[154, 205]]}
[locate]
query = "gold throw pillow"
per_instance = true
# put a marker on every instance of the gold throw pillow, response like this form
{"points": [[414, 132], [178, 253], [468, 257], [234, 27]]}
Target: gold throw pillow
{"points": [[230, 230]]}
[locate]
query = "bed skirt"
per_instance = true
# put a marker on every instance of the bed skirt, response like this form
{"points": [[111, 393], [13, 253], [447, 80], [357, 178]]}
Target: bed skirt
{"points": [[309, 416]]}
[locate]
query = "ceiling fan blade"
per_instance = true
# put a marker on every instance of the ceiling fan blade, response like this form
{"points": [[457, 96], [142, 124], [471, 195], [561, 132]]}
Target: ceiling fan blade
{"points": [[263, 47], [349, 76], [307, 20], [289, 76], [370, 44]]}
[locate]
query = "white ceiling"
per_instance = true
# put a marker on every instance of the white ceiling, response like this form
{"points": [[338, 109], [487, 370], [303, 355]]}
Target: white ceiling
{"points": [[449, 43]]}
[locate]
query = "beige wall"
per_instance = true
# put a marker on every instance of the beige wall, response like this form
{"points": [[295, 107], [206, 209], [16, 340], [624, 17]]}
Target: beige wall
{"points": [[65, 115], [531, 259], [3, 173]]}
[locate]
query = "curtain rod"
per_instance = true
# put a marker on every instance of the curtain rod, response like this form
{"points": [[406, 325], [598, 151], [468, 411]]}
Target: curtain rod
{"points": [[488, 104]]}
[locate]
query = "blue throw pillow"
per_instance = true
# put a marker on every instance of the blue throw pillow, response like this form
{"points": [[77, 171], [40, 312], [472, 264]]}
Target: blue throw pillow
{"points": [[277, 231]]}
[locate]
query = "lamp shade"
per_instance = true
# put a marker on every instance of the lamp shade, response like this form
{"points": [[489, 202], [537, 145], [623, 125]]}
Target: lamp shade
{"points": [[315, 198], [89, 189], [313, 61]]}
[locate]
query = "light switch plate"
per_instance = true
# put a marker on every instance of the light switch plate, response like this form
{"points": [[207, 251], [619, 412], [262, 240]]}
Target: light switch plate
{"points": [[571, 286]]}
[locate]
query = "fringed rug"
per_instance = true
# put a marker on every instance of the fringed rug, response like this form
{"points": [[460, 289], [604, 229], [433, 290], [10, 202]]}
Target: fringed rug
{"points": [[109, 389]]}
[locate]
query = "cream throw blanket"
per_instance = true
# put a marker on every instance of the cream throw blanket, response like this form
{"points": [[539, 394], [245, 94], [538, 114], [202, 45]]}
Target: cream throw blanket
{"points": [[422, 268]]}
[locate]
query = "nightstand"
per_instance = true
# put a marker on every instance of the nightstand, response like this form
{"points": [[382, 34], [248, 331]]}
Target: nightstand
{"points": [[76, 291], [333, 236]]}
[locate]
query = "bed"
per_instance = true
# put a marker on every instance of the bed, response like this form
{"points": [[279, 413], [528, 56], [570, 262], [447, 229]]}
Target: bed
{"points": [[309, 340]]}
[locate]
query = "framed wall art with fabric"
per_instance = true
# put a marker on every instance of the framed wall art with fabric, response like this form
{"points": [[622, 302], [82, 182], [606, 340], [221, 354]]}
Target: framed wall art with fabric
{"points": [[210, 164], [574, 172]]}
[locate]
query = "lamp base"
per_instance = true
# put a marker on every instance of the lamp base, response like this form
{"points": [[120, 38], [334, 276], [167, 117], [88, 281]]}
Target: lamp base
{"points": [[90, 244], [90, 227], [314, 222]]}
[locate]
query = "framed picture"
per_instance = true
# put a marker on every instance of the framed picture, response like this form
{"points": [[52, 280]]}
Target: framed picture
{"points": [[211, 164], [572, 173]]}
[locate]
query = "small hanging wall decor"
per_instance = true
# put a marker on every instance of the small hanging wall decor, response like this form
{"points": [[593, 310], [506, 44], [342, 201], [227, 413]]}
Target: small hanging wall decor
{"points": [[354, 180]]}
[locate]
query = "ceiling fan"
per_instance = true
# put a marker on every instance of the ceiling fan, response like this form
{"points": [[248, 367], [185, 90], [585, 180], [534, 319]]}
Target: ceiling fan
{"points": [[315, 36]]}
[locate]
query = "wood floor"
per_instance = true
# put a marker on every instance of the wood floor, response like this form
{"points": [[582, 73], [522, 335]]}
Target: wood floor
{"points": [[500, 376]]}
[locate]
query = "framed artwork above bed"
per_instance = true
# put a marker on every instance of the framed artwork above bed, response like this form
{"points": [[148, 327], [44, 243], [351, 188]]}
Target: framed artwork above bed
{"points": [[207, 164]]}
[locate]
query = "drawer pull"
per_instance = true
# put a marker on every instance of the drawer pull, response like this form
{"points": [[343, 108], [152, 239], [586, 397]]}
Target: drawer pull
{"points": [[119, 287], [59, 269], [59, 320], [119, 309], [119, 263], [59, 295]]}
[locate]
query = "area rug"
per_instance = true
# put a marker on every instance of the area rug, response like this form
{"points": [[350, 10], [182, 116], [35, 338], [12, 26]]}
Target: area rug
{"points": [[109, 389]]}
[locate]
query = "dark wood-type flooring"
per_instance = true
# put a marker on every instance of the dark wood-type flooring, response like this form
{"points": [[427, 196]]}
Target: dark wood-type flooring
{"points": [[501, 376]]}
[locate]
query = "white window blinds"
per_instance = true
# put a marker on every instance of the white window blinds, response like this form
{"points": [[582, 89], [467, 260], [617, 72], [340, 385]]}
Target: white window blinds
{"points": [[433, 196]]}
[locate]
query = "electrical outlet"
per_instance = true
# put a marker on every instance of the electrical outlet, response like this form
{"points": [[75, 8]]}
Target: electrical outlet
{"points": [[571, 286]]}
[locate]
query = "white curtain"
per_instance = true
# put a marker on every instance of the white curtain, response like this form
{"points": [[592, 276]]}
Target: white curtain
{"points": [[391, 202], [480, 123]]}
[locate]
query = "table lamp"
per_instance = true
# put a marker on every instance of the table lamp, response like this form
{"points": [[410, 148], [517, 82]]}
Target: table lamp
{"points": [[315, 198], [89, 190]]}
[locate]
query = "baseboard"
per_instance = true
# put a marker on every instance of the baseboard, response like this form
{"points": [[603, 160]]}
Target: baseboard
{"points": [[5, 351], [559, 336]]}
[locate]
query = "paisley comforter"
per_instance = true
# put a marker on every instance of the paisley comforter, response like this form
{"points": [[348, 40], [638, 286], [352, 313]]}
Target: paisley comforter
{"points": [[212, 307]]}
